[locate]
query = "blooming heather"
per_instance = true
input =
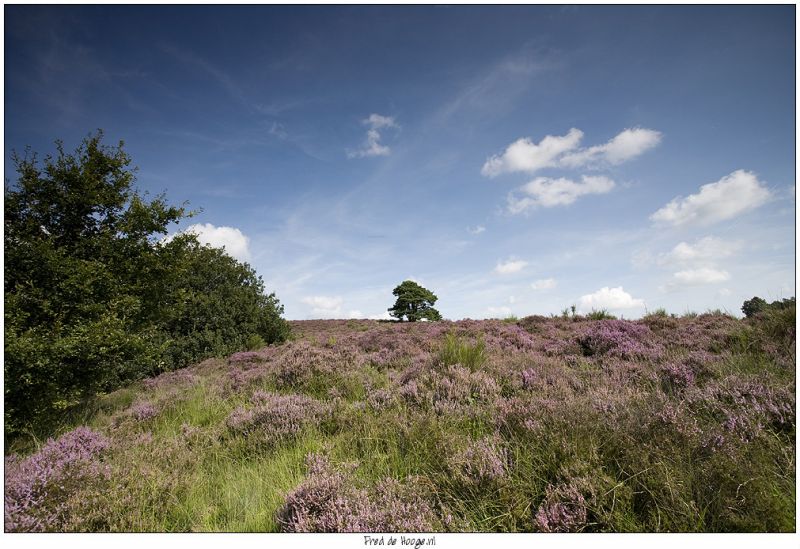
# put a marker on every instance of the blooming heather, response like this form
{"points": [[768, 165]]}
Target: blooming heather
{"points": [[563, 510], [274, 417], [330, 501], [481, 462], [142, 411], [38, 487]]}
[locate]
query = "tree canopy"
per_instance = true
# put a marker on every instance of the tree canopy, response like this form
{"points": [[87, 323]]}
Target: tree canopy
{"points": [[94, 296], [414, 303]]}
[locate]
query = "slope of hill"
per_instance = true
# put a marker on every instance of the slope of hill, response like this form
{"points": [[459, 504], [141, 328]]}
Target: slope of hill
{"points": [[543, 425]]}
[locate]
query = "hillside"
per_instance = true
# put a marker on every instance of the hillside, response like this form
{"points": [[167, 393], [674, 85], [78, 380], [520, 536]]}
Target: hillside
{"points": [[540, 425]]}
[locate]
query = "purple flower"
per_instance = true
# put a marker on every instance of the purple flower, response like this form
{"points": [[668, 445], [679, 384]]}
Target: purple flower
{"points": [[563, 510], [38, 487], [143, 411], [329, 500], [275, 417]]}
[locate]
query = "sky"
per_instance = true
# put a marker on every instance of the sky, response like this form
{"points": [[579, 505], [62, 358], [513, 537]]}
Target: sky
{"points": [[514, 160]]}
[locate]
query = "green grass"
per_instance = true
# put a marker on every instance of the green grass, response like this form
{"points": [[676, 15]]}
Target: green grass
{"points": [[455, 350]]}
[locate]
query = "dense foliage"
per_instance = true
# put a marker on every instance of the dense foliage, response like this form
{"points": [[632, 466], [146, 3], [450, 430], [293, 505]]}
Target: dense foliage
{"points": [[662, 424], [757, 305], [414, 303], [94, 296]]}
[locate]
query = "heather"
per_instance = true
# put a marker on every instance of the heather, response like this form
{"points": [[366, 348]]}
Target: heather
{"points": [[577, 424]]}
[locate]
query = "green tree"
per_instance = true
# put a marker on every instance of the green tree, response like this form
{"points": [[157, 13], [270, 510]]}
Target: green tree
{"points": [[414, 303], [94, 298], [753, 306]]}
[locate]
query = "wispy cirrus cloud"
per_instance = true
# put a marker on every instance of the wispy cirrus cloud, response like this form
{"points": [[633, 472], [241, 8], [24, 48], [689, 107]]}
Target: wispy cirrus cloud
{"points": [[734, 194]]}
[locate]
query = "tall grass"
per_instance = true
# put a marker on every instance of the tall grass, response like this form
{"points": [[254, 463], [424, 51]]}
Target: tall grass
{"points": [[456, 350]]}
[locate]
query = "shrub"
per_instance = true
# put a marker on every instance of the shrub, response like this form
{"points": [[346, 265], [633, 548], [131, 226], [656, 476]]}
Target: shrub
{"points": [[329, 500], [602, 314], [95, 298], [39, 488], [276, 417], [753, 306]]}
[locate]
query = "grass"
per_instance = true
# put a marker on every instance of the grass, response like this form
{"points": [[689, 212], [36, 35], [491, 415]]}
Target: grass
{"points": [[640, 456], [456, 350]]}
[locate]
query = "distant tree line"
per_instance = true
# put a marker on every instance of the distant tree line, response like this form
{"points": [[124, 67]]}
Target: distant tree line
{"points": [[94, 295], [756, 305]]}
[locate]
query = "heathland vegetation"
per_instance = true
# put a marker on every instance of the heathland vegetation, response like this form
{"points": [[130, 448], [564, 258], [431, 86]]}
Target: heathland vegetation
{"points": [[152, 385], [542, 424]]}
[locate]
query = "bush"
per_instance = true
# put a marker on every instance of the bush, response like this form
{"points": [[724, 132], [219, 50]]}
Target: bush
{"points": [[602, 314], [753, 306], [93, 296]]}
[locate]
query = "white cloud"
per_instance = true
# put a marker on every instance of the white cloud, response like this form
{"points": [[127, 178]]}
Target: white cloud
{"points": [[735, 193], [544, 284], [235, 243], [372, 145], [477, 230], [499, 311], [324, 306], [548, 192], [383, 316], [511, 266], [704, 275], [628, 144], [377, 121], [609, 298], [523, 155], [703, 251], [355, 313]]}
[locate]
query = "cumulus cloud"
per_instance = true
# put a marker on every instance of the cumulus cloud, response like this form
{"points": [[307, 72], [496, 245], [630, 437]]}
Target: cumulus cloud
{"points": [[702, 251], [625, 146], [609, 298], [355, 313], [544, 284], [734, 194], [524, 155], [476, 230], [547, 192], [372, 145], [703, 275], [511, 266], [231, 239], [324, 306]]}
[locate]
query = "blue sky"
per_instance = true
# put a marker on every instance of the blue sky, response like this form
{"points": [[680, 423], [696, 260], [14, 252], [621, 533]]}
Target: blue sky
{"points": [[514, 160]]}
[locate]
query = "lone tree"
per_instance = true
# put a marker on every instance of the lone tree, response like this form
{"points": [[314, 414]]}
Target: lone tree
{"points": [[414, 302]]}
